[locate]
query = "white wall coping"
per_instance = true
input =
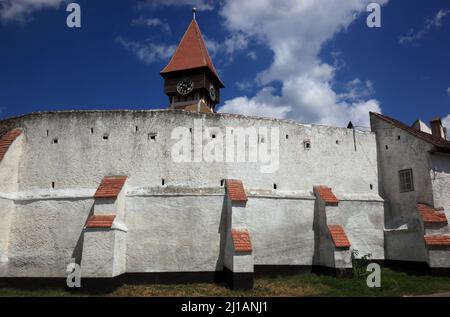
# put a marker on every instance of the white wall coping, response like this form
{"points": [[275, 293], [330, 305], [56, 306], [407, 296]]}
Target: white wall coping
{"points": [[173, 191]]}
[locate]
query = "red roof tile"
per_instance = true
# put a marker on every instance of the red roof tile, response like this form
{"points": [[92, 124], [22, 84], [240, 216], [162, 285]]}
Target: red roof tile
{"points": [[241, 240], [6, 140], [110, 187], [191, 53], [235, 190], [339, 237], [431, 215], [100, 221], [437, 240], [327, 195], [436, 141]]}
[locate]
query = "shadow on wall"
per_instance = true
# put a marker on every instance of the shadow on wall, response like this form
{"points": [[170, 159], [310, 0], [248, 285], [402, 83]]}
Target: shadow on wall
{"points": [[223, 234], [316, 229], [78, 250]]}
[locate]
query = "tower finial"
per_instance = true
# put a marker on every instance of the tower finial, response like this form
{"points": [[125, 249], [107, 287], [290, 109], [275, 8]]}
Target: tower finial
{"points": [[194, 11]]}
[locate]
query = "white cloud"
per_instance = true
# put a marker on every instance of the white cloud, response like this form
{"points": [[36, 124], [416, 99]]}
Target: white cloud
{"points": [[357, 90], [446, 123], [448, 90], [264, 104], [244, 85], [252, 55], [295, 31], [151, 22], [202, 5], [236, 42], [148, 52], [20, 10], [430, 23]]}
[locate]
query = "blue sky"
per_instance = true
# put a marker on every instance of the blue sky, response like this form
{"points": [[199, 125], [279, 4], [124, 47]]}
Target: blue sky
{"points": [[312, 61]]}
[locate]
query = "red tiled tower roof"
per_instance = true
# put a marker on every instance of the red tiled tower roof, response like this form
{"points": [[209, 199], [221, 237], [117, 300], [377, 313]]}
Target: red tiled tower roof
{"points": [[339, 237], [191, 53], [327, 195], [100, 221], [6, 140], [241, 240], [110, 187], [235, 190], [431, 215]]}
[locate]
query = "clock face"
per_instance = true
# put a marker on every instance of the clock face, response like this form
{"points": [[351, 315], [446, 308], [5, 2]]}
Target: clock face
{"points": [[185, 86], [212, 93]]}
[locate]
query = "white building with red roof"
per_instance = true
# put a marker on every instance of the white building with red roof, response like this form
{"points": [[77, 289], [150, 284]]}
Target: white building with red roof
{"points": [[166, 194]]}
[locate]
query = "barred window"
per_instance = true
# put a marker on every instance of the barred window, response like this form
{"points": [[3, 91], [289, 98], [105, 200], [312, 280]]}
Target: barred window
{"points": [[406, 181]]}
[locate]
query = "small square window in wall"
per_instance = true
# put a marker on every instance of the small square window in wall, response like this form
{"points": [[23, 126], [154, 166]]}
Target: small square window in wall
{"points": [[152, 136], [406, 180], [55, 141], [105, 136], [261, 139], [307, 144]]}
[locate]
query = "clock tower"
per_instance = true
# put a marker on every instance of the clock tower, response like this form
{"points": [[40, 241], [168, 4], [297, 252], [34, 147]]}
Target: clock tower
{"points": [[190, 79]]}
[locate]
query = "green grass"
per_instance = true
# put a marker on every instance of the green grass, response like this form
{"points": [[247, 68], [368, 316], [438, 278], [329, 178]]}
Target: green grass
{"points": [[393, 283]]}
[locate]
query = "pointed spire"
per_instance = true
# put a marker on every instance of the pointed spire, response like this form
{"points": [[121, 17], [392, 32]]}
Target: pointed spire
{"points": [[194, 11], [191, 53]]}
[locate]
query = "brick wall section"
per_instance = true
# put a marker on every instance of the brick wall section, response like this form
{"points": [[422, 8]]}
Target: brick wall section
{"points": [[241, 240], [6, 140], [101, 221], [431, 215], [110, 187], [327, 195], [235, 190], [435, 240], [339, 237]]}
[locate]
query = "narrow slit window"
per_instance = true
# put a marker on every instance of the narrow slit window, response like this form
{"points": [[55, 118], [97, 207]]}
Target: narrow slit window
{"points": [[275, 186], [307, 144], [136, 128], [222, 182], [287, 136], [371, 186], [387, 147], [406, 180], [398, 137], [163, 182], [53, 185], [47, 132], [92, 130]]}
